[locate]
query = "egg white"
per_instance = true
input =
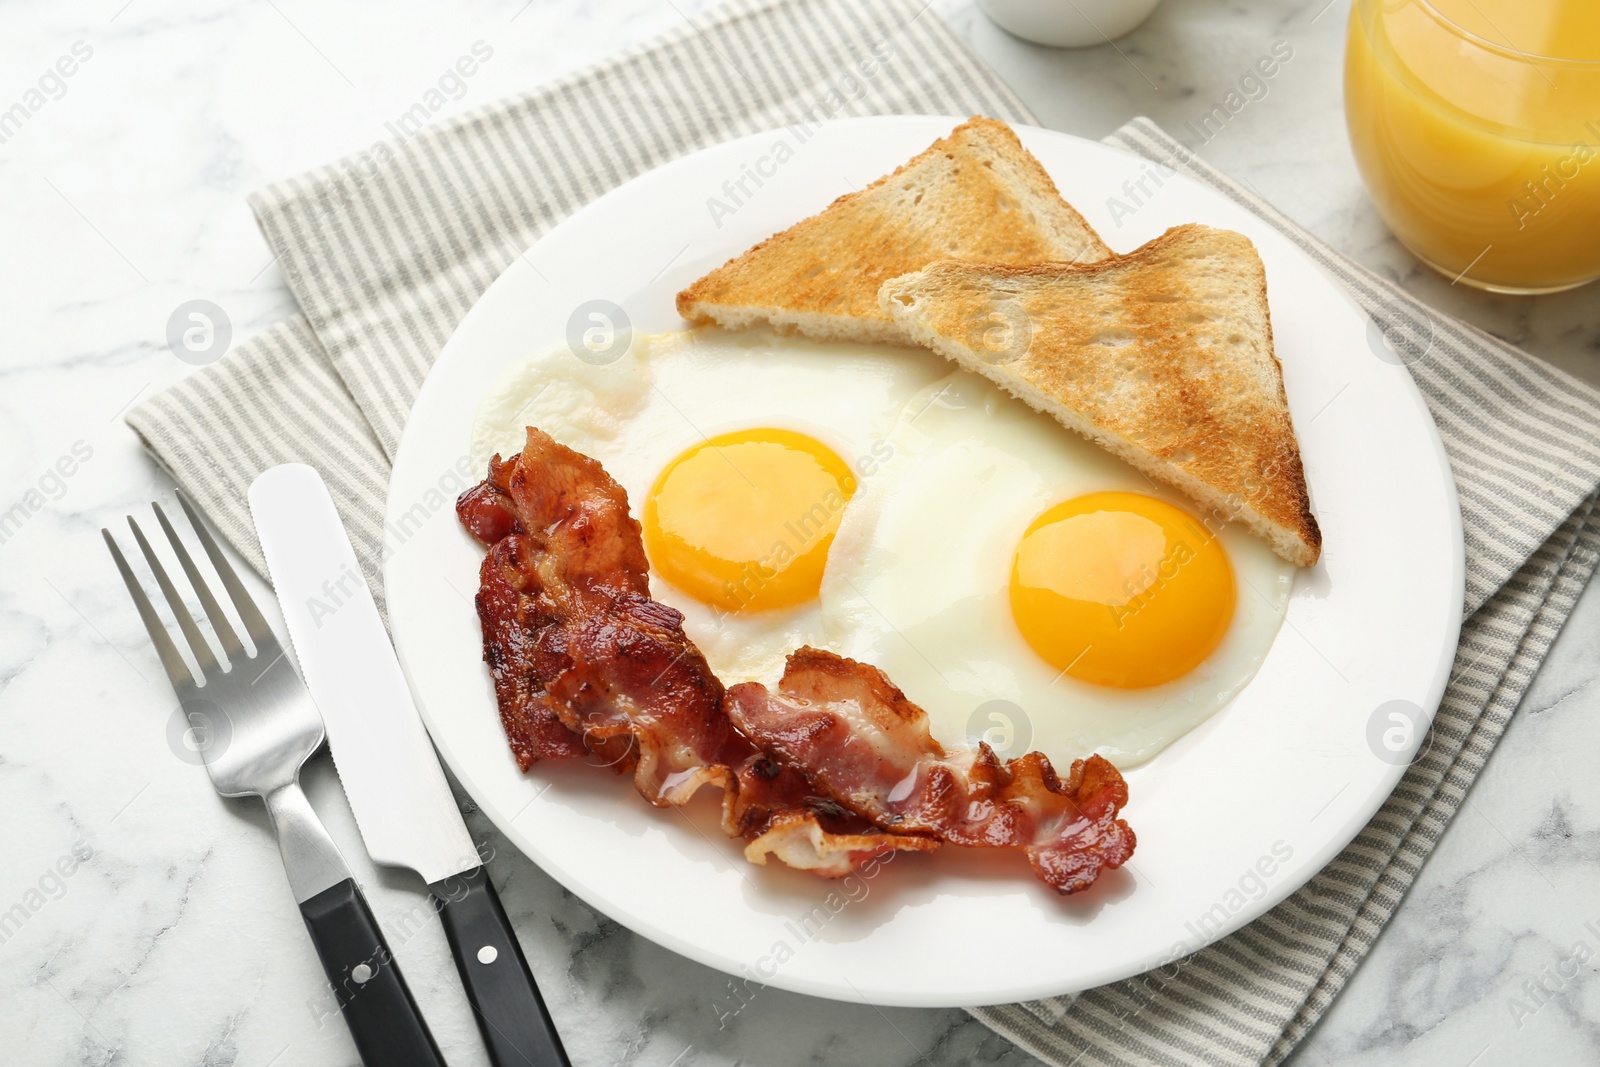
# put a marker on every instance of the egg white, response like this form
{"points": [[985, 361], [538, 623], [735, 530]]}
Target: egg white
{"points": [[671, 391], [917, 583]]}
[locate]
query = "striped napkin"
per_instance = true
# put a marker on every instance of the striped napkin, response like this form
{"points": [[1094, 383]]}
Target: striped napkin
{"points": [[387, 250]]}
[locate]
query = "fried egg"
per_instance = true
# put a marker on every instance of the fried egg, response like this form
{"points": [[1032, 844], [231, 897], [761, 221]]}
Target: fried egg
{"points": [[1030, 590], [740, 453]]}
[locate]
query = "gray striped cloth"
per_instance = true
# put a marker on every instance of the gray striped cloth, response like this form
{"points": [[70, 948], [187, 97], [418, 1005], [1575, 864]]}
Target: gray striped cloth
{"points": [[386, 250]]}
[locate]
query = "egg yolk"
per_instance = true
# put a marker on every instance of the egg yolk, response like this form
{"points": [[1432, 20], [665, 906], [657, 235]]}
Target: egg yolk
{"points": [[743, 521], [1121, 589]]}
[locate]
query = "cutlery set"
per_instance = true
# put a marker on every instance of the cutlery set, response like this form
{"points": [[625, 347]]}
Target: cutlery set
{"points": [[355, 696]]}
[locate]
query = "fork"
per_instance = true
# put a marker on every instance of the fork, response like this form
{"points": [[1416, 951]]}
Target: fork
{"points": [[272, 727]]}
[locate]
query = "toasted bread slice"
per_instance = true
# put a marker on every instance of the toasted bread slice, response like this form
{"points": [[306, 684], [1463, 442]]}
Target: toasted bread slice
{"points": [[1163, 357], [976, 194]]}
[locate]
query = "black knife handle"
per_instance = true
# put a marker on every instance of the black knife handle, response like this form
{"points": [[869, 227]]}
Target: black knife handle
{"points": [[511, 1014], [384, 1020]]}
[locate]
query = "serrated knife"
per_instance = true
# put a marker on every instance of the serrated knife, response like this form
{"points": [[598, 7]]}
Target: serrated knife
{"points": [[390, 772]]}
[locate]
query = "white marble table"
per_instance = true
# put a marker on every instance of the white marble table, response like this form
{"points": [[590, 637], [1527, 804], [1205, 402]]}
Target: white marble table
{"points": [[175, 940]]}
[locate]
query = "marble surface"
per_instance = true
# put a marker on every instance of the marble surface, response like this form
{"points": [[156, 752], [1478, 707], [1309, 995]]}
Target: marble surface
{"points": [[157, 928]]}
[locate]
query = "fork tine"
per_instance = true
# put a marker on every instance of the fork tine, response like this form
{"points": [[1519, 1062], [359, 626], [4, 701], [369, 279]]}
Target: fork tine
{"points": [[219, 622], [260, 632], [177, 670], [180, 610]]}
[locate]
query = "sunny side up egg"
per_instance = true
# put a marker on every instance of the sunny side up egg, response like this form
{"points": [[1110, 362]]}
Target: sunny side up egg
{"points": [[740, 453], [1018, 583], [1029, 589]]}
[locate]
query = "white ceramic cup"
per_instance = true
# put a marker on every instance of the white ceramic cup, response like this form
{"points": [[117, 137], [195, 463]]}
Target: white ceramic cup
{"points": [[1068, 23]]}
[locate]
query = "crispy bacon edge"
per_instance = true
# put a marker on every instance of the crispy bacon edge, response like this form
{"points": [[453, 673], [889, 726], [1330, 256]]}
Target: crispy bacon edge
{"points": [[584, 661], [869, 748]]}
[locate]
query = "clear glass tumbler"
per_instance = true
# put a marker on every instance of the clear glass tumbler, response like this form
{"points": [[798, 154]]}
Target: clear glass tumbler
{"points": [[1476, 126]]}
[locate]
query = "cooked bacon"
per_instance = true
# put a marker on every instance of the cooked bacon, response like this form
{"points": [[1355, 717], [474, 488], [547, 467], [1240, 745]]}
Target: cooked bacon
{"points": [[485, 509], [576, 643], [522, 649], [631, 672], [523, 652], [778, 813], [833, 769], [863, 743]]}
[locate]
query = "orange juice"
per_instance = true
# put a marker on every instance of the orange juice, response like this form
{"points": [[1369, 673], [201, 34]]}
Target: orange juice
{"points": [[1476, 125]]}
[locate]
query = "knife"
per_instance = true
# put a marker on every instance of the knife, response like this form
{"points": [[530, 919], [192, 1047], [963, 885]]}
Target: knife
{"points": [[403, 805]]}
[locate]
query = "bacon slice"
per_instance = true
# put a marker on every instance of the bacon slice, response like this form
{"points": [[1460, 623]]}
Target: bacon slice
{"points": [[577, 645], [779, 814], [631, 672], [864, 744], [523, 650]]}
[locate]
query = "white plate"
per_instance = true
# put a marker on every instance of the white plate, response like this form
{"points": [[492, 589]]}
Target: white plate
{"points": [[1230, 820]]}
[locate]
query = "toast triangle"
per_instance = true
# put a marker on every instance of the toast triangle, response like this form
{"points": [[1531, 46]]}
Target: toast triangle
{"points": [[1164, 357], [975, 194]]}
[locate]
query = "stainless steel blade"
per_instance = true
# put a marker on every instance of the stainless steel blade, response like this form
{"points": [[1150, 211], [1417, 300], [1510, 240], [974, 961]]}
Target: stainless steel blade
{"points": [[402, 803]]}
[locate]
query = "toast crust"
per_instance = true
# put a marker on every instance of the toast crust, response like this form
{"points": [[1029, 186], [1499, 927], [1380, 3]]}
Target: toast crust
{"points": [[1164, 357], [974, 194]]}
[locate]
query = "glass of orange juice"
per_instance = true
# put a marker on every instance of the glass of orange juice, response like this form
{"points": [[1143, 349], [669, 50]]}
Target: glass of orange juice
{"points": [[1476, 125]]}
